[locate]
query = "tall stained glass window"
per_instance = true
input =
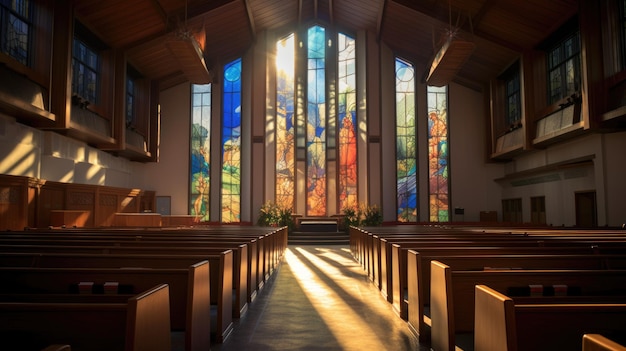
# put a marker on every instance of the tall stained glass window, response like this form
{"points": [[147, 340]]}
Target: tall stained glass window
{"points": [[200, 151], [231, 143], [285, 131], [438, 156], [316, 121], [347, 121], [406, 143]]}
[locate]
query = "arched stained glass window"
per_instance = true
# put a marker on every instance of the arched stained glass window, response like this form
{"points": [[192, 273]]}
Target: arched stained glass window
{"points": [[200, 151], [347, 122], [285, 123], [438, 155], [231, 143], [406, 143], [316, 121]]}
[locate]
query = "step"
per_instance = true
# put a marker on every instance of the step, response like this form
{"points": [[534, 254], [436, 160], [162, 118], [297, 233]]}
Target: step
{"points": [[318, 238]]}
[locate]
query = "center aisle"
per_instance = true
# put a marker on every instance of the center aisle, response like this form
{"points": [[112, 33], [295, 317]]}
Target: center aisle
{"points": [[320, 299]]}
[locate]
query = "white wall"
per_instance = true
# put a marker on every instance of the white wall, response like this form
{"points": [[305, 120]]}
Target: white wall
{"points": [[29, 152], [471, 177], [170, 176], [615, 178]]}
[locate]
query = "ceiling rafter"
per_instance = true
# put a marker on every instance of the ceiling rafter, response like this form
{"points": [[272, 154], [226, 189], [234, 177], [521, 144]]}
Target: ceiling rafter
{"points": [[379, 20], [250, 19]]}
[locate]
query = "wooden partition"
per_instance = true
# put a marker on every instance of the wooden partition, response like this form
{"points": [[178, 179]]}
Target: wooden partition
{"points": [[30, 202]]}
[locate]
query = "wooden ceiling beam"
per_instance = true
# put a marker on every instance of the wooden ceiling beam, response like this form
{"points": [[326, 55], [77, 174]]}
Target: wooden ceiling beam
{"points": [[379, 20], [250, 19]]}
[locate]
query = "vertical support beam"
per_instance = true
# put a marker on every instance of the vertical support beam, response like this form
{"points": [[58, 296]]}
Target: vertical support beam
{"points": [[61, 86]]}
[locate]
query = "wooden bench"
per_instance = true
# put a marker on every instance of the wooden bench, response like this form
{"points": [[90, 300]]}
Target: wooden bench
{"points": [[264, 251], [597, 342], [399, 253], [194, 300], [502, 324], [140, 323], [238, 270], [418, 273], [452, 293]]}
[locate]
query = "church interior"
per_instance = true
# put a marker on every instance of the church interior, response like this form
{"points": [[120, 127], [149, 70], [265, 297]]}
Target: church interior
{"points": [[388, 121]]}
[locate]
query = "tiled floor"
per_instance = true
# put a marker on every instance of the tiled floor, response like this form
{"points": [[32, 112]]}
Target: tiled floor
{"points": [[320, 299]]}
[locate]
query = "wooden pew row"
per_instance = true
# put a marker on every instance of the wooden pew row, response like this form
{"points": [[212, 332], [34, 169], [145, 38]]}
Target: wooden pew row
{"points": [[452, 293], [397, 283], [191, 304], [597, 342], [377, 246], [504, 324], [240, 277], [245, 278], [419, 264], [57, 347], [258, 263], [383, 266], [361, 243], [266, 247], [128, 260], [140, 323], [274, 247]]}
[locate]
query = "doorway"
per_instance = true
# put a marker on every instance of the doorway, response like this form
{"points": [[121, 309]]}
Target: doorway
{"points": [[586, 211]]}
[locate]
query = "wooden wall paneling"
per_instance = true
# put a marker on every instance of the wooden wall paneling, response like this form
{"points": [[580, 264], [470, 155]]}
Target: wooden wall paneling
{"points": [[51, 197], [13, 202], [82, 197]]}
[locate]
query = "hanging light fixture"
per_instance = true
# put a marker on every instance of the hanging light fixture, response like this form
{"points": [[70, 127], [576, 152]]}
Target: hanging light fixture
{"points": [[453, 52], [185, 46]]}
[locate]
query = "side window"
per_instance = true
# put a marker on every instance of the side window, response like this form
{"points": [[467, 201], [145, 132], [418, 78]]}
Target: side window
{"points": [[85, 67], [15, 29], [513, 105], [564, 68]]}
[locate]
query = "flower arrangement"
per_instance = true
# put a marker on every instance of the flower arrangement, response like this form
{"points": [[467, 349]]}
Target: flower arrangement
{"points": [[273, 215], [362, 215]]}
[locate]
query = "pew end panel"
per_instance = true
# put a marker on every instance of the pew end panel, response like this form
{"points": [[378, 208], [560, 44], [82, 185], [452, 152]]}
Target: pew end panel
{"points": [[597, 342], [148, 326], [494, 321], [441, 305], [416, 316], [198, 333]]}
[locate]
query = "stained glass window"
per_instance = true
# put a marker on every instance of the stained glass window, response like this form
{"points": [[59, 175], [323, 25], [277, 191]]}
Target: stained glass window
{"points": [[231, 143], [200, 151], [316, 121], [347, 122], [438, 155], [285, 131], [406, 145]]}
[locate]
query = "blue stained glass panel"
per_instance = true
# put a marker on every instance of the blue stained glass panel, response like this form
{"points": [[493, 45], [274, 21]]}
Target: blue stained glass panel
{"points": [[231, 143]]}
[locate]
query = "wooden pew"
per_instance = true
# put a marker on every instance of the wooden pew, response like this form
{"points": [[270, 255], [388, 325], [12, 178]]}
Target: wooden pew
{"points": [[251, 275], [397, 284], [239, 270], [502, 324], [418, 273], [57, 347], [597, 342], [193, 298], [140, 323], [452, 293]]}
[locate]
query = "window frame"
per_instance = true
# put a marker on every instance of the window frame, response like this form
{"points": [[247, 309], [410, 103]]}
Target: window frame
{"points": [[5, 12], [557, 49]]}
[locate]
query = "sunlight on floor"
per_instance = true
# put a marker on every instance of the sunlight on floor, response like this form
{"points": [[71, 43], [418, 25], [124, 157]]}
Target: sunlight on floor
{"points": [[315, 275]]}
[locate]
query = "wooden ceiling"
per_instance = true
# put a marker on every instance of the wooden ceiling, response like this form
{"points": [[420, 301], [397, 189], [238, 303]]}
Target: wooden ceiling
{"points": [[501, 29]]}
